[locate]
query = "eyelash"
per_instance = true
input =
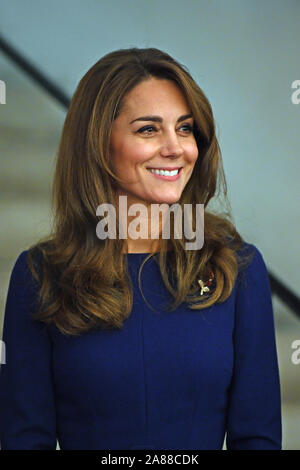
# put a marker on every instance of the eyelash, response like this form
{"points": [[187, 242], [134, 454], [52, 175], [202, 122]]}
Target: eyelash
{"points": [[140, 131]]}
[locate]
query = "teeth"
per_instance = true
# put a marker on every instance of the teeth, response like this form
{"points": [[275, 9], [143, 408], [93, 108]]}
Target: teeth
{"points": [[165, 172]]}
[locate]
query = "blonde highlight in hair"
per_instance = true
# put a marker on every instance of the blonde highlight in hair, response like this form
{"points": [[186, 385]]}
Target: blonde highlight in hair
{"points": [[83, 281]]}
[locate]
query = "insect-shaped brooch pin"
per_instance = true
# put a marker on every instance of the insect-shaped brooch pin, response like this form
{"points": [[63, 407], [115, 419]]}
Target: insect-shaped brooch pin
{"points": [[205, 286]]}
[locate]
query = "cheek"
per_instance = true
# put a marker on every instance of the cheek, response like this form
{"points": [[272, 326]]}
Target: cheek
{"points": [[127, 157], [122, 155], [136, 153], [192, 151]]}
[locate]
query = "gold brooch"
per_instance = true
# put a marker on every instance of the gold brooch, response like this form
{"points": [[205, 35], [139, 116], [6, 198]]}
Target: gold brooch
{"points": [[205, 286]]}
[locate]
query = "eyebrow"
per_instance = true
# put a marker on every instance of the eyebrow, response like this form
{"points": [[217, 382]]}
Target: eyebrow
{"points": [[159, 119]]}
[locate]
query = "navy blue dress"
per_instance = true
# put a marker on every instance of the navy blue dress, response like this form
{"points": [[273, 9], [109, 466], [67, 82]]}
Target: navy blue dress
{"points": [[168, 380]]}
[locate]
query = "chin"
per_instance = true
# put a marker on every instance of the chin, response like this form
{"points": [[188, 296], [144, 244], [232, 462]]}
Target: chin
{"points": [[167, 201], [171, 199], [163, 199]]}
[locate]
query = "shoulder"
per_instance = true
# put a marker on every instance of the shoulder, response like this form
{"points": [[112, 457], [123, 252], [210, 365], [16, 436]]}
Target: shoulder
{"points": [[22, 297], [21, 277], [251, 263], [20, 267], [253, 285]]}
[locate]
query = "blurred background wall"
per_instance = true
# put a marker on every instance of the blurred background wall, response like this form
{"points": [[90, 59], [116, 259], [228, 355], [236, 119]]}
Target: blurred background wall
{"points": [[244, 54]]}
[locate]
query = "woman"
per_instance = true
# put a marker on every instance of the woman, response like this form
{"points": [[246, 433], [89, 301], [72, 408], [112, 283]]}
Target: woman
{"points": [[97, 354]]}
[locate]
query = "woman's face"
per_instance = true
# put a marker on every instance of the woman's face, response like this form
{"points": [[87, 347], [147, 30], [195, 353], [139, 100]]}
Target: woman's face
{"points": [[153, 130]]}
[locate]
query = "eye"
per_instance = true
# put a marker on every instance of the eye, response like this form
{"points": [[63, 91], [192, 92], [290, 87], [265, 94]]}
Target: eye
{"points": [[146, 128], [188, 127]]}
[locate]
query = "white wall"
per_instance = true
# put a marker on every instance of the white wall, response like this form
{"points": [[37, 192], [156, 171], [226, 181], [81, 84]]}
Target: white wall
{"points": [[245, 56]]}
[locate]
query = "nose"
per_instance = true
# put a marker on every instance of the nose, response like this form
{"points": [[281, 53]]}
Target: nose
{"points": [[171, 146]]}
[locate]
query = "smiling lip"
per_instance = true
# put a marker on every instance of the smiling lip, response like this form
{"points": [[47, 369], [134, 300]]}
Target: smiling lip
{"points": [[166, 177], [165, 168]]}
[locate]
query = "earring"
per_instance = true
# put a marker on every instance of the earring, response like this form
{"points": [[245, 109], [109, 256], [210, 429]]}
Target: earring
{"points": [[205, 285]]}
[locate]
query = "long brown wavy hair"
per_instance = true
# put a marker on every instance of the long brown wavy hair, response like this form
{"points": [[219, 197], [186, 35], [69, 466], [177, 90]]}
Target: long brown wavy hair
{"points": [[84, 281]]}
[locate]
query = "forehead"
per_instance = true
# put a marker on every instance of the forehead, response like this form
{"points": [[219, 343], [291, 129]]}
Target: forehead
{"points": [[153, 94]]}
